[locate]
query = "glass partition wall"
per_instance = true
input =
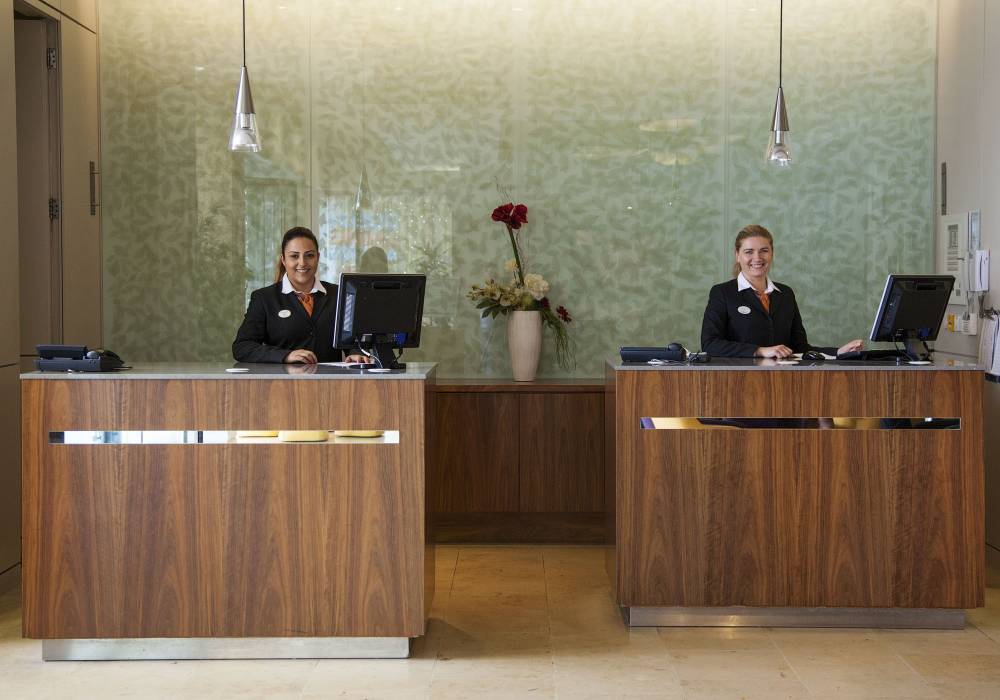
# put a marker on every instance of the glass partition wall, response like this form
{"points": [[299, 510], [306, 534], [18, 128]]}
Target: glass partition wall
{"points": [[634, 132]]}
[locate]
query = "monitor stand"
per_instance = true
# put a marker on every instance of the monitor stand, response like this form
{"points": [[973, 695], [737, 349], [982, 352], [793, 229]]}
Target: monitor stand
{"points": [[916, 349], [383, 348]]}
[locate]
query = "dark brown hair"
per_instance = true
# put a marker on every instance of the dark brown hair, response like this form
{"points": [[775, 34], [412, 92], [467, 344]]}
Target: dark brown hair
{"points": [[750, 231], [290, 235]]}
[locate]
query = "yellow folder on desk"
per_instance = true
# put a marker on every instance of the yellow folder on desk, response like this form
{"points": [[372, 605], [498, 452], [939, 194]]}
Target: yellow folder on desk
{"points": [[256, 433], [359, 433], [303, 435]]}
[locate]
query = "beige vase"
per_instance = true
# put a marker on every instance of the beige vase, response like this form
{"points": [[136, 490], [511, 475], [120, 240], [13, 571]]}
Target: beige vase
{"points": [[524, 340]]}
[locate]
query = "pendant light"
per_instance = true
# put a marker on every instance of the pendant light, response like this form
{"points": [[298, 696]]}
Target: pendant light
{"points": [[779, 151], [244, 137]]}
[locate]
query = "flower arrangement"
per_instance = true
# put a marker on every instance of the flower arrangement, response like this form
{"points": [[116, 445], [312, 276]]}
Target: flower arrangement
{"points": [[526, 291]]}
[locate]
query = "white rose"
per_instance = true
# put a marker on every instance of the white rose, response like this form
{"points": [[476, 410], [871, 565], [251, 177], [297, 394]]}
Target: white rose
{"points": [[510, 265], [536, 285]]}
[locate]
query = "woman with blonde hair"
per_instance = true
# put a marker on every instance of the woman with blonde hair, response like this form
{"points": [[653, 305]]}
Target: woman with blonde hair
{"points": [[752, 316]]}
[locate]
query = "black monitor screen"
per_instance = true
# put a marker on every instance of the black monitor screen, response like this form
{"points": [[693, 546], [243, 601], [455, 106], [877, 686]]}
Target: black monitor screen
{"points": [[385, 305], [912, 306]]}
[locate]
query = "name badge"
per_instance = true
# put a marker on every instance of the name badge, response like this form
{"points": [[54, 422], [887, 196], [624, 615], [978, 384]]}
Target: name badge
{"points": [[285, 313], [744, 310]]}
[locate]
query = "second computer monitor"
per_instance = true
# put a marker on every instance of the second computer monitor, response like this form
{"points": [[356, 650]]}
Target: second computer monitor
{"points": [[379, 313], [911, 311]]}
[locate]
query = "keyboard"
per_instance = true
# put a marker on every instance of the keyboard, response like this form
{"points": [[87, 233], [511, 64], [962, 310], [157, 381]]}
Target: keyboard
{"points": [[873, 355]]}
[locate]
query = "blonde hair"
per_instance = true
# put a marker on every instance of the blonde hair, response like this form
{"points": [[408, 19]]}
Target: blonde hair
{"points": [[290, 235], [750, 231]]}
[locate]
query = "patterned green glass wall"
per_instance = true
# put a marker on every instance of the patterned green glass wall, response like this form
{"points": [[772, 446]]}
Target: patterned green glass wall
{"points": [[634, 132]]}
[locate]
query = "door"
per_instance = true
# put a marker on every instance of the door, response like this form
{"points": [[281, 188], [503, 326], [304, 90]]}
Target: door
{"points": [[81, 229], [40, 263]]}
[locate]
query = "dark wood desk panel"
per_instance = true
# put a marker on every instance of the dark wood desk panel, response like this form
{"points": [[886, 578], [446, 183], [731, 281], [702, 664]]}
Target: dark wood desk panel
{"points": [[799, 518], [477, 448], [561, 453], [228, 540]]}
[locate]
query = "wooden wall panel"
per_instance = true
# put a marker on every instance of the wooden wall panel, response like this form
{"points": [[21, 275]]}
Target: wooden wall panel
{"points": [[561, 453], [477, 447], [223, 540], [10, 469], [799, 518]]}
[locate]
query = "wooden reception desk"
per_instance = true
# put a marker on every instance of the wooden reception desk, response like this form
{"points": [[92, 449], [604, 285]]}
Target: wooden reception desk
{"points": [[152, 531], [744, 492]]}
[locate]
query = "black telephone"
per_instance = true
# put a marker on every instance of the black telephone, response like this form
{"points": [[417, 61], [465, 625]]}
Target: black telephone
{"points": [[75, 358], [673, 353]]}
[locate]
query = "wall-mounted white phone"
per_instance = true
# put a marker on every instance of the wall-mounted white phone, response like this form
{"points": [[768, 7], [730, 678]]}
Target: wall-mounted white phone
{"points": [[979, 271], [953, 253], [959, 255]]}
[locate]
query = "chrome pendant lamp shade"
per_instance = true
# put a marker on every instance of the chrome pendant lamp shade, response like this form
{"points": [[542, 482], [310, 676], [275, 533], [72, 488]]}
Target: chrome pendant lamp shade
{"points": [[244, 136], [778, 148]]}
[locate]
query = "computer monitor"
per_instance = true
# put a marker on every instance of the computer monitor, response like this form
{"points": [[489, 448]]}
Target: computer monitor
{"points": [[911, 311], [379, 313]]}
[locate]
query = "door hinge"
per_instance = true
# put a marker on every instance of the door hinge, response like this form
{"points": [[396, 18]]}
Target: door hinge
{"points": [[53, 208], [50, 58]]}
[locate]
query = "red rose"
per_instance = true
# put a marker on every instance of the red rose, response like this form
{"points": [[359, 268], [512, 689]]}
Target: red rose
{"points": [[563, 314], [502, 213], [519, 216], [513, 216]]}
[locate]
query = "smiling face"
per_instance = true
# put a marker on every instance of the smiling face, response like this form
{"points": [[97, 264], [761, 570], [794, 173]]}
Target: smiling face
{"points": [[754, 258], [301, 260]]}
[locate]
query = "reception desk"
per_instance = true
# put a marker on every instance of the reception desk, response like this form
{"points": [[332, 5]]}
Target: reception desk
{"points": [[152, 530], [747, 492]]}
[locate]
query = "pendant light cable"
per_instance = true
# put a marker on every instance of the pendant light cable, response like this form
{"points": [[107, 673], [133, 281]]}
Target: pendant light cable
{"points": [[781, 35], [245, 38]]}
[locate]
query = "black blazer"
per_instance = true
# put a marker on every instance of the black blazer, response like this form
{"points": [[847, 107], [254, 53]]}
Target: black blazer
{"points": [[726, 332], [264, 336]]}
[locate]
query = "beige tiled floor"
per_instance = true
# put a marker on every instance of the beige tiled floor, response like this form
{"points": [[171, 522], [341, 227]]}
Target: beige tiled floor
{"points": [[538, 622]]}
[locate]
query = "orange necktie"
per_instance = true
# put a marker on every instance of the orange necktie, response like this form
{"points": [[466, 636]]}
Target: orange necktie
{"points": [[307, 301], [765, 300]]}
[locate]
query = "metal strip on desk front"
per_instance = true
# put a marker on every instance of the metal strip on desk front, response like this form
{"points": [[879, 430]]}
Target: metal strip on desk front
{"points": [[225, 648], [745, 616]]}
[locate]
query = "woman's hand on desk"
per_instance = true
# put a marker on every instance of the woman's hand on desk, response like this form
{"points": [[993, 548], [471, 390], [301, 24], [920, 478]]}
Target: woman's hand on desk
{"points": [[777, 352], [306, 356], [853, 346]]}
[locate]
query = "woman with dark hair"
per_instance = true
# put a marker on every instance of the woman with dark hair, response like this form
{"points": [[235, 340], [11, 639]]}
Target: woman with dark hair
{"points": [[751, 316], [291, 320]]}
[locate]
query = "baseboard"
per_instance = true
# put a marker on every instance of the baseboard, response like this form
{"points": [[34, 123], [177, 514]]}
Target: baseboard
{"points": [[519, 528], [10, 579]]}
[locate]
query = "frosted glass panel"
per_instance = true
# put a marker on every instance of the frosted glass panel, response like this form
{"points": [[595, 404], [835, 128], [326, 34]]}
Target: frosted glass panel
{"points": [[635, 133]]}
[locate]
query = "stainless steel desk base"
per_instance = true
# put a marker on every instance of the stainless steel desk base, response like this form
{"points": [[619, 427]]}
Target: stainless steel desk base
{"points": [[741, 616], [226, 648]]}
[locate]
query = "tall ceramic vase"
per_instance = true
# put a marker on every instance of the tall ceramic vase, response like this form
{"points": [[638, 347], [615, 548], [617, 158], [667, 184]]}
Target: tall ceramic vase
{"points": [[524, 340]]}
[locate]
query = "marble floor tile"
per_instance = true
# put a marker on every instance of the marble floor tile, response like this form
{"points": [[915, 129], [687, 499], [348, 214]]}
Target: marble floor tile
{"points": [[971, 640], [783, 689], [967, 690], [354, 678], [753, 666], [947, 667], [529, 677], [682, 639], [863, 673], [539, 622]]}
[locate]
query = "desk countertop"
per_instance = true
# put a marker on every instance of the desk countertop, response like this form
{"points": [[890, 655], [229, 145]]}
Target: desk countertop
{"points": [[941, 362], [217, 370]]}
